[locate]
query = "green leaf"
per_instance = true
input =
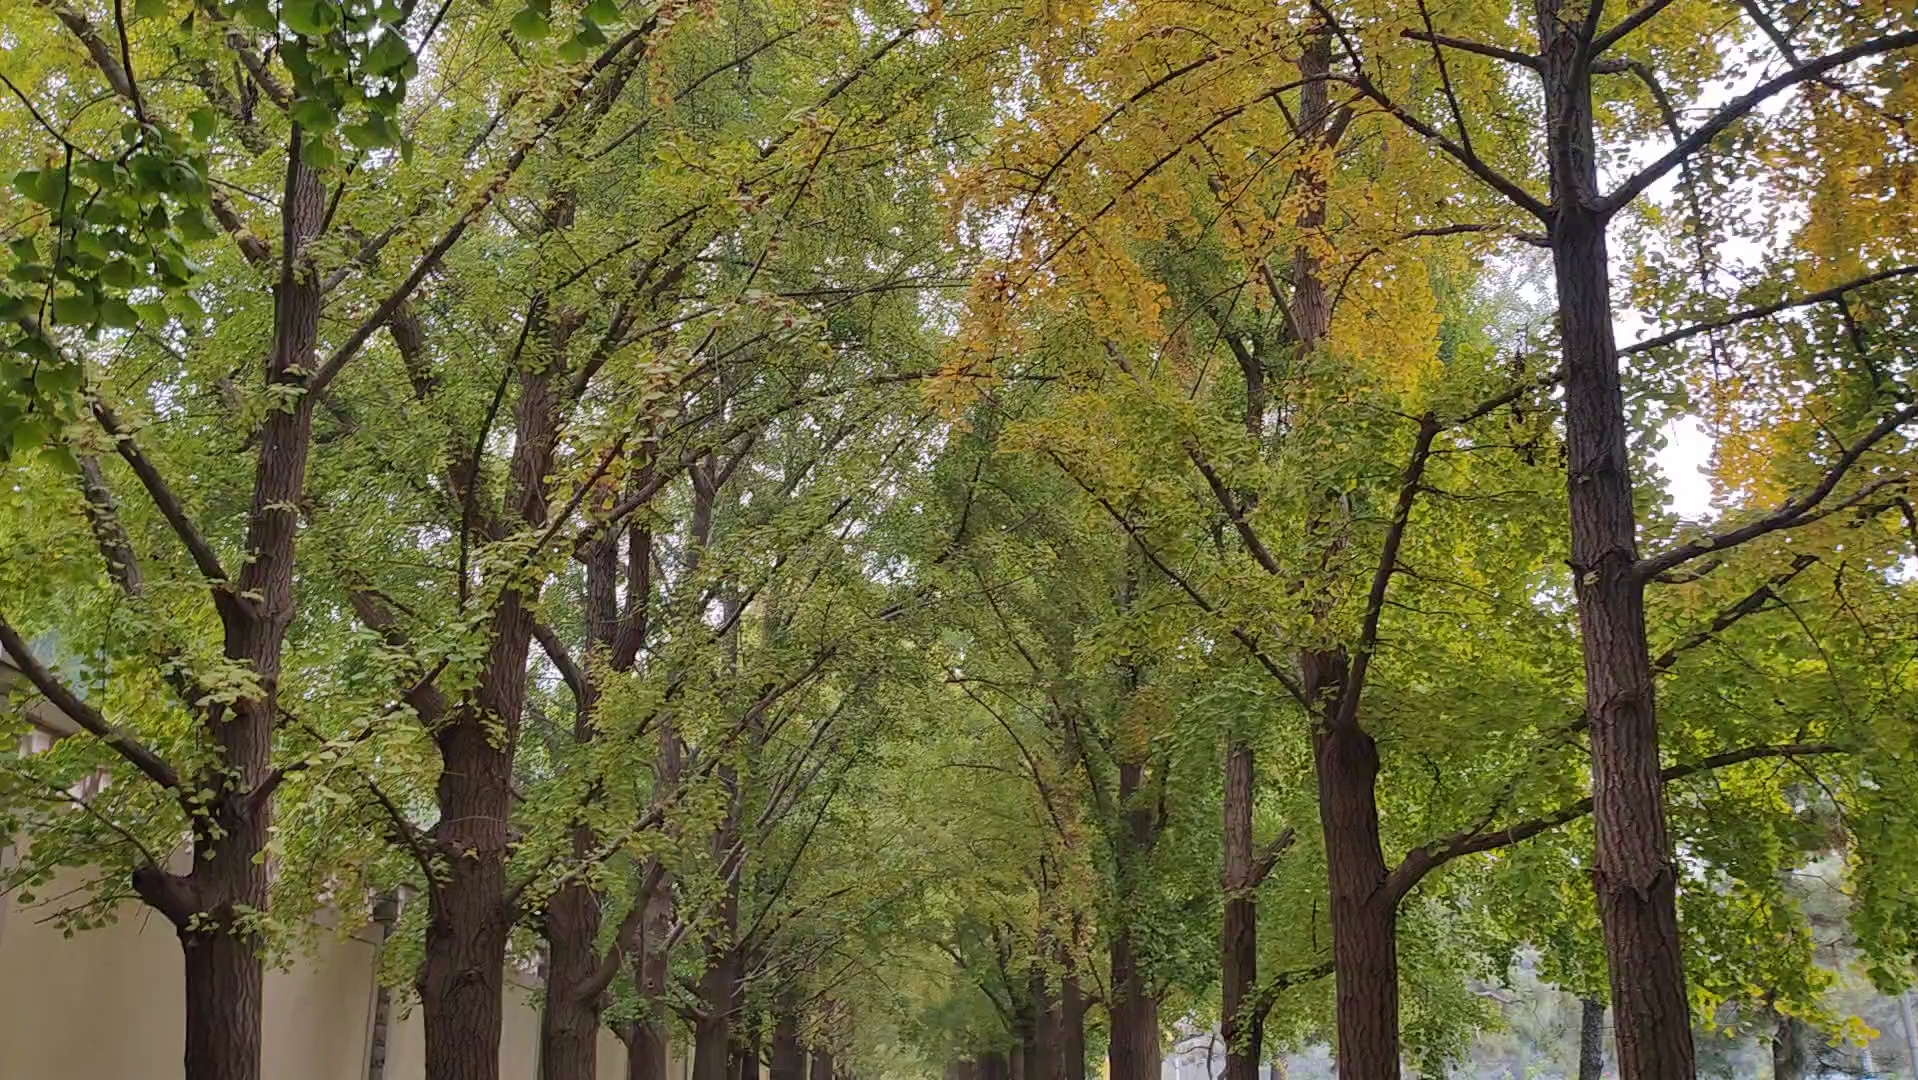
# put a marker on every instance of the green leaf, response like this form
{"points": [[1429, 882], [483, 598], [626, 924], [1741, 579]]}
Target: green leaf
{"points": [[530, 25], [318, 152], [313, 115], [75, 309], [203, 122], [313, 18], [149, 9], [118, 314], [603, 12], [388, 54]]}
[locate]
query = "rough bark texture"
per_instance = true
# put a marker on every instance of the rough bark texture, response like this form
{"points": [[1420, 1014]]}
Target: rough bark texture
{"points": [[228, 876], [569, 1022], [1072, 1027], [1134, 1011], [1243, 1023], [469, 914], [1591, 1039], [788, 1056], [1788, 1057], [1633, 870], [1364, 912], [577, 973], [718, 999]]}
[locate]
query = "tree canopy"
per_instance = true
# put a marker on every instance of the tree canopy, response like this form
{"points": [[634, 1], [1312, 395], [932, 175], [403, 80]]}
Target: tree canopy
{"points": [[968, 538]]}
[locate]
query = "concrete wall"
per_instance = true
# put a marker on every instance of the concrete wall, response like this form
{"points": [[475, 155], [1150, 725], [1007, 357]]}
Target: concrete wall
{"points": [[107, 1004]]}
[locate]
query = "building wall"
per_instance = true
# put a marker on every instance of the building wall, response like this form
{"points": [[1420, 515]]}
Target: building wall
{"points": [[108, 1004]]}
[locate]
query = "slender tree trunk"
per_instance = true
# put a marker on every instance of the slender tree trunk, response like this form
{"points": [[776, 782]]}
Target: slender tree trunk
{"points": [[1591, 1039], [210, 905], [1633, 871], [1047, 1050], [1134, 1010], [569, 1022], [462, 976], [1243, 1023], [1788, 1049], [469, 913], [718, 999], [1072, 1025], [788, 1057], [822, 1064], [1364, 915]]}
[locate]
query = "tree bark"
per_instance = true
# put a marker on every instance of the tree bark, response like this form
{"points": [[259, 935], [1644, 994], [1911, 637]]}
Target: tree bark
{"points": [[823, 1065], [1072, 1024], [1364, 913], [718, 999], [1242, 1023], [788, 1057], [1788, 1058], [469, 915], [210, 905], [1591, 1039], [569, 1021], [1134, 1011], [1633, 871]]}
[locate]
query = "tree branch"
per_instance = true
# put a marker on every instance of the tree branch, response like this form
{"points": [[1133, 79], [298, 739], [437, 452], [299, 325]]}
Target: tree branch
{"points": [[163, 498], [1836, 292], [1740, 106], [1793, 511], [1752, 603], [1526, 60], [122, 741], [1421, 861]]}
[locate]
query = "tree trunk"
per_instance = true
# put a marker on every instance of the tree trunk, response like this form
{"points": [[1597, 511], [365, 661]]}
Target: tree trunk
{"points": [[1242, 1022], [1045, 1050], [789, 1058], [822, 1064], [1591, 1039], [569, 1023], [462, 978], [1633, 871], [1072, 1024], [1134, 1011], [1364, 913], [1788, 1049], [223, 985], [713, 1029]]}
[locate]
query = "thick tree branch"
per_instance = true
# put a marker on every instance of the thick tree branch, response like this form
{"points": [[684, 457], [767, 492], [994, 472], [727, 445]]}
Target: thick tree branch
{"points": [[163, 498], [1751, 604], [1742, 106], [570, 672], [1269, 855], [1423, 860], [1409, 484], [1835, 293], [122, 741], [1638, 17], [1479, 48], [1794, 511]]}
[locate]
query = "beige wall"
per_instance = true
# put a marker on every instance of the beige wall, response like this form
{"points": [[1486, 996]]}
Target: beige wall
{"points": [[107, 1005]]}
